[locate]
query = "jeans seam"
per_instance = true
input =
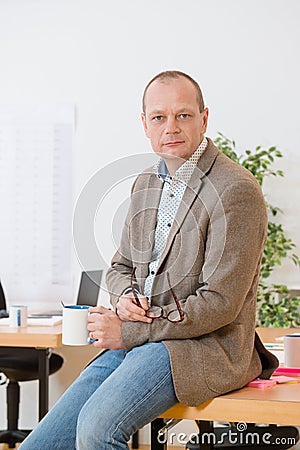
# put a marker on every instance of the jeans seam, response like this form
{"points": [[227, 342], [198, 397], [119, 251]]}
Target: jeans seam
{"points": [[138, 404]]}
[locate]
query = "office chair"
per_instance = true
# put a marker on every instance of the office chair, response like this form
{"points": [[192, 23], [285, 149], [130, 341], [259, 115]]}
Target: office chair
{"points": [[19, 364]]}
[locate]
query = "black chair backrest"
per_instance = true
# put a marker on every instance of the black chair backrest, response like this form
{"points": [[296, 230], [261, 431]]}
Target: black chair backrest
{"points": [[2, 298]]}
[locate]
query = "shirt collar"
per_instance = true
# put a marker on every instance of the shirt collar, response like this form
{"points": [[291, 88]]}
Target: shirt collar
{"points": [[184, 172]]}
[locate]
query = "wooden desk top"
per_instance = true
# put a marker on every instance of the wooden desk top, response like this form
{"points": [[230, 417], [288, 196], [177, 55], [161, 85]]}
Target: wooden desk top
{"points": [[278, 404], [34, 336], [270, 334]]}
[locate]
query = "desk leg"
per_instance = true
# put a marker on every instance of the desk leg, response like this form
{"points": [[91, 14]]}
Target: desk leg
{"points": [[156, 425], [206, 434], [43, 381], [135, 440]]}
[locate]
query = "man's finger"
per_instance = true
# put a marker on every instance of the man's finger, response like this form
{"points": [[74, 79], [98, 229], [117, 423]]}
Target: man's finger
{"points": [[99, 309], [134, 318], [144, 302]]}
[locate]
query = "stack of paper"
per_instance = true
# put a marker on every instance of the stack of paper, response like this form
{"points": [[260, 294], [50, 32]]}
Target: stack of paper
{"points": [[37, 321]]}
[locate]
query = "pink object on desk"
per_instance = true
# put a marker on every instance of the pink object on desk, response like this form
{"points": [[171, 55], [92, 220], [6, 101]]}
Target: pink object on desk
{"points": [[280, 379], [261, 384], [294, 371]]}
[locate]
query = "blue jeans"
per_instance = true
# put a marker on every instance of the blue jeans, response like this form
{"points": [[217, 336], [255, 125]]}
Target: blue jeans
{"points": [[114, 396]]}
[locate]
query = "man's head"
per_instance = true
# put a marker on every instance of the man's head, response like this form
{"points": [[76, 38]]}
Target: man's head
{"points": [[169, 75], [174, 116]]}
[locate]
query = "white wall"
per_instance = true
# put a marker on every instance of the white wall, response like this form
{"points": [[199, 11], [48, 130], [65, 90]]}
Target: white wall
{"points": [[99, 55]]}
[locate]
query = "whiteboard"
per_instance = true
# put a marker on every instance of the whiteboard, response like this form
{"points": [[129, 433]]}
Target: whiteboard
{"points": [[36, 167]]}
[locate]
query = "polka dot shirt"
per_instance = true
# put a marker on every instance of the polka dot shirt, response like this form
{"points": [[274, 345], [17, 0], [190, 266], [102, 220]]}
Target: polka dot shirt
{"points": [[171, 196]]}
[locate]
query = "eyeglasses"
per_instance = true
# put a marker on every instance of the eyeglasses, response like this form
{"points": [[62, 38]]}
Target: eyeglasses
{"points": [[157, 312]]}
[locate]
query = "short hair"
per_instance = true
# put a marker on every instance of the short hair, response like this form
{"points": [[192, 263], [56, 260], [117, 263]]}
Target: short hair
{"points": [[173, 75]]}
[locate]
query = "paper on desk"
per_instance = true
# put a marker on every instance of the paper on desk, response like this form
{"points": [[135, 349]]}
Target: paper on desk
{"points": [[285, 379], [38, 321], [279, 379]]}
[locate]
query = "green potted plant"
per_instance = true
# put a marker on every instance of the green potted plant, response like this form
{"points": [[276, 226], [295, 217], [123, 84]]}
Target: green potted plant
{"points": [[275, 306]]}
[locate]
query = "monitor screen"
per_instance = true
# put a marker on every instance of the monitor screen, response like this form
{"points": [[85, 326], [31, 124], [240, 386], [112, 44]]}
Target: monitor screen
{"points": [[89, 288]]}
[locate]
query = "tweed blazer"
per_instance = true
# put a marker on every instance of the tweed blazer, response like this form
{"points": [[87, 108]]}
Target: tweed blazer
{"points": [[213, 256]]}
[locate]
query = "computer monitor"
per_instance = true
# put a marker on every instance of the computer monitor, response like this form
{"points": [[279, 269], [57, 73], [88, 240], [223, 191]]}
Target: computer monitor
{"points": [[89, 287]]}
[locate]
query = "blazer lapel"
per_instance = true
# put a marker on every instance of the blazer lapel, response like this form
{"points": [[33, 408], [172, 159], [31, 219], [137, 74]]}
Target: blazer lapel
{"points": [[191, 192]]}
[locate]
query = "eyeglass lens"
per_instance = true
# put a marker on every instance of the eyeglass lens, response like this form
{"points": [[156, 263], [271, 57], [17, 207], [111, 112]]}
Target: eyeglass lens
{"points": [[156, 312]]}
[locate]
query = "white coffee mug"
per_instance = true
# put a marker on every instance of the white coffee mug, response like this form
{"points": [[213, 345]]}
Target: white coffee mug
{"points": [[74, 325], [292, 350], [18, 316]]}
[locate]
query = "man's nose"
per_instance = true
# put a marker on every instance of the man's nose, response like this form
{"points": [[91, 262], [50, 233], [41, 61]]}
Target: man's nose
{"points": [[172, 125]]}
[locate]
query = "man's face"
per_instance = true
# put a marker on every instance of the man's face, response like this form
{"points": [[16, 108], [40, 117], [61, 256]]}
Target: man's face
{"points": [[172, 119]]}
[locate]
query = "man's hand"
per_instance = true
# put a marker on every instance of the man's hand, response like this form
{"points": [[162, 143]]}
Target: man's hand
{"points": [[127, 309], [105, 327]]}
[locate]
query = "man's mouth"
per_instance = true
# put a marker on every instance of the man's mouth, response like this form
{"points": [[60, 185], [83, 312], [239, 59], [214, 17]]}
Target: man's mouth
{"points": [[173, 143]]}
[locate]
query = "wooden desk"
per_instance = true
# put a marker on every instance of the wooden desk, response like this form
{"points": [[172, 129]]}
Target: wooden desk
{"points": [[270, 334], [277, 405], [42, 338]]}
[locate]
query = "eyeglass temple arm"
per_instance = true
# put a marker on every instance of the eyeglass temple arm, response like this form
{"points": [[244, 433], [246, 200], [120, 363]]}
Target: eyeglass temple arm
{"points": [[175, 297], [133, 280]]}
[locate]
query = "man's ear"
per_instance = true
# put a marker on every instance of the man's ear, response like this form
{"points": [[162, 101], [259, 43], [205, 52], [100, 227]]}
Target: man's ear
{"points": [[144, 124], [204, 120]]}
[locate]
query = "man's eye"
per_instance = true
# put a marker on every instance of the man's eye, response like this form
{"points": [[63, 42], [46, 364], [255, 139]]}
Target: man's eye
{"points": [[157, 118], [184, 116]]}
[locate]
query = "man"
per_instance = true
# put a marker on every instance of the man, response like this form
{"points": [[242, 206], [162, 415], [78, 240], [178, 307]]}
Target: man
{"points": [[183, 286]]}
